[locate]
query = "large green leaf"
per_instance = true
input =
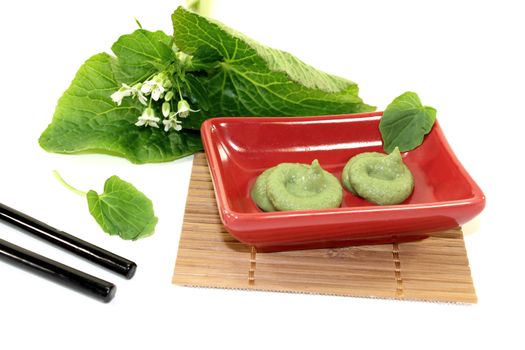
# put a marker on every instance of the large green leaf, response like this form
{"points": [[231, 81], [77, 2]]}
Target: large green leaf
{"points": [[249, 79], [122, 210], [87, 120]]}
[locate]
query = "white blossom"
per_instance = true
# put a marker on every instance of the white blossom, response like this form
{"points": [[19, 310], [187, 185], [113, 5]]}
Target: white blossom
{"points": [[152, 87], [136, 92], [183, 109], [172, 122], [148, 118], [126, 91], [119, 95], [156, 86]]}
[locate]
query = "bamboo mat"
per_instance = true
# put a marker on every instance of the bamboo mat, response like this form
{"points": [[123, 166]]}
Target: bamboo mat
{"points": [[434, 269]]}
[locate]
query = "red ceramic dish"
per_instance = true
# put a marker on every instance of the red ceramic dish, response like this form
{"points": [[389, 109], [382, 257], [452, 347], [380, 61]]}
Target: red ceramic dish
{"points": [[239, 149]]}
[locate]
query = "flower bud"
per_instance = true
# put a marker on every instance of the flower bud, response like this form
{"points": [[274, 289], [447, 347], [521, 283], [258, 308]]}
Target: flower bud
{"points": [[169, 95], [166, 109]]}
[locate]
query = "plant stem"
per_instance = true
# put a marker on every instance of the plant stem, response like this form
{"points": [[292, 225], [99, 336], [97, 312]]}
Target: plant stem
{"points": [[138, 23], [178, 88], [66, 185]]}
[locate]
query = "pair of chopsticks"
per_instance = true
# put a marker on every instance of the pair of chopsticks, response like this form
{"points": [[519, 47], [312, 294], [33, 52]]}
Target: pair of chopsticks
{"points": [[63, 274]]}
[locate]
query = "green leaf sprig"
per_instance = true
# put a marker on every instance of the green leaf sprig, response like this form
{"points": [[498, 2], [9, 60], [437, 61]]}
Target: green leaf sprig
{"points": [[120, 210], [405, 122]]}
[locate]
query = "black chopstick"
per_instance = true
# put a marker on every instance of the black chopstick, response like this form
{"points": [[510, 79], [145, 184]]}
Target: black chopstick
{"points": [[68, 242], [53, 270]]}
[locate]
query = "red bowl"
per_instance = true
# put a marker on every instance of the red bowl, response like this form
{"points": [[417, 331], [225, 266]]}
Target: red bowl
{"points": [[240, 148]]}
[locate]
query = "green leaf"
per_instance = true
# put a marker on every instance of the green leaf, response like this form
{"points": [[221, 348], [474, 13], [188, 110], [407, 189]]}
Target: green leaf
{"points": [[251, 79], [141, 54], [87, 120], [405, 122], [122, 210], [197, 91]]}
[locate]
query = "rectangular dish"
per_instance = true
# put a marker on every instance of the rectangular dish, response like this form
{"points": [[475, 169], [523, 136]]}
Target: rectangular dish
{"points": [[239, 149]]}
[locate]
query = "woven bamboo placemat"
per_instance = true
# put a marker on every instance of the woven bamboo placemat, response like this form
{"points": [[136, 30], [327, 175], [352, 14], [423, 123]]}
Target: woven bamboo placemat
{"points": [[434, 269]]}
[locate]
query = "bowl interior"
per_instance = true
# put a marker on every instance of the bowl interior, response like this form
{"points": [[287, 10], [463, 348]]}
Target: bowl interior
{"points": [[245, 147]]}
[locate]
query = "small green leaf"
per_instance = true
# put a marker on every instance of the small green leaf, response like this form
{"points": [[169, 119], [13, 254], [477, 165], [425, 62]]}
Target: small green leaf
{"points": [[141, 54], [405, 123], [122, 210]]}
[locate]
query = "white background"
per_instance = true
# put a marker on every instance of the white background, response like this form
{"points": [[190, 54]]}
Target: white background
{"points": [[465, 58]]}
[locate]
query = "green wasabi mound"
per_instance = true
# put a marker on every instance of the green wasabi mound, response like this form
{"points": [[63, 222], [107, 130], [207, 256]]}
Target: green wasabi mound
{"points": [[345, 176], [379, 178], [259, 194], [294, 186]]}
